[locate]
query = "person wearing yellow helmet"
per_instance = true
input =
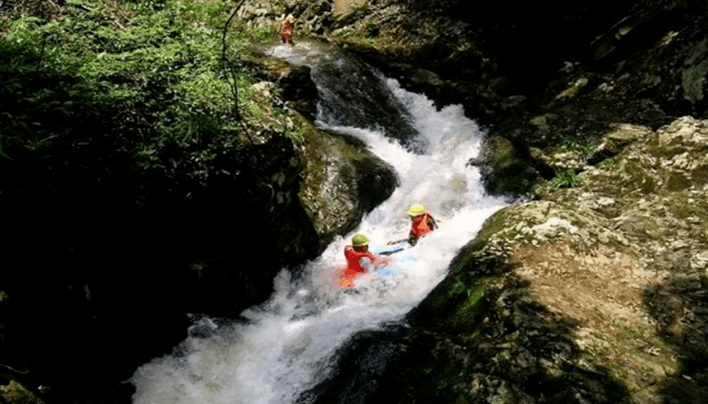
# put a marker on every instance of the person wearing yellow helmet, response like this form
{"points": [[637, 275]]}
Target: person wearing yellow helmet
{"points": [[359, 259], [422, 222]]}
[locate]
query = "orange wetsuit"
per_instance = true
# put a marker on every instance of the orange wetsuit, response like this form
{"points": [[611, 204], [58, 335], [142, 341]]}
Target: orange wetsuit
{"points": [[354, 257], [420, 226]]}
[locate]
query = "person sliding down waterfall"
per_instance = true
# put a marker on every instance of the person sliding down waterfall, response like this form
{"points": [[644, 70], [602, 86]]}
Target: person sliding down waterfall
{"points": [[359, 260], [422, 223]]}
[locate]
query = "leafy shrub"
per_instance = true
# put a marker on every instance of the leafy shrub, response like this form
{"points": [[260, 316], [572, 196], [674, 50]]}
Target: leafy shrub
{"points": [[152, 99], [584, 148], [565, 179]]}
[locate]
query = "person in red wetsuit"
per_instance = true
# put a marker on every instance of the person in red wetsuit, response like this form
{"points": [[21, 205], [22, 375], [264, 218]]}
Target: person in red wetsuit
{"points": [[422, 223], [359, 260], [287, 26]]}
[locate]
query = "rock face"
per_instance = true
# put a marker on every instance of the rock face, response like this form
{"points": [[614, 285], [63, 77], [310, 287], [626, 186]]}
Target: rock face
{"points": [[539, 75], [109, 281], [505, 168], [341, 179], [92, 279], [594, 291], [342, 182]]}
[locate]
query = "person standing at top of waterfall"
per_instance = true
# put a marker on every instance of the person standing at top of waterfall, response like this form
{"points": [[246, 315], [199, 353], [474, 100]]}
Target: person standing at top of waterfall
{"points": [[287, 25], [422, 222]]}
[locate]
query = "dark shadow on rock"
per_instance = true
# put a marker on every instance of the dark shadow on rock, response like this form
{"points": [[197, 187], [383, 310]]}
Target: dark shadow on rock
{"points": [[354, 94], [106, 251], [479, 336], [363, 369], [103, 261], [679, 306], [507, 169]]}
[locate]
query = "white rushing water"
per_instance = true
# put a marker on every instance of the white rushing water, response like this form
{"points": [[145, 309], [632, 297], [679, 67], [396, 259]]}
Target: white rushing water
{"points": [[289, 343]]}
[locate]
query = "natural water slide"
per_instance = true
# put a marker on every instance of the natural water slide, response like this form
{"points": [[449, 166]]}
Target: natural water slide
{"points": [[288, 344]]}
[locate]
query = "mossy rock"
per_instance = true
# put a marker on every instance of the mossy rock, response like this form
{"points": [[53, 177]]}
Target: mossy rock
{"points": [[15, 393], [504, 168], [341, 180]]}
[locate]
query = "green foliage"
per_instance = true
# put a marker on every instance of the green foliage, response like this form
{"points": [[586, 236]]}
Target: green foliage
{"points": [[565, 179], [296, 134], [15, 393], [264, 35], [584, 148], [457, 288], [152, 98], [371, 29], [693, 80], [345, 33]]}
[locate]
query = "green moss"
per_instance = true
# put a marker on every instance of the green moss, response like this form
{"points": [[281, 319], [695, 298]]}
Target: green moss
{"points": [[677, 182], [693, 80], [682, 205], [699, 175], [494, 224], [566, 179], [296, 135], [345, 33], [254, 110], [510, 172], [539, 121], [348, 150], [568, 93], [468, 313], [653, 143], [573, 90], [457, 288], [650, 79], [639, 177], [15, 393], [499, 152], [502, 157], [462, 294]]}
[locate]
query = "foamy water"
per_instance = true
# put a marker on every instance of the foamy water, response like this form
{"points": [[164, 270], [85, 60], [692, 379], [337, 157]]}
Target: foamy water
{"points": [[289, 344]]}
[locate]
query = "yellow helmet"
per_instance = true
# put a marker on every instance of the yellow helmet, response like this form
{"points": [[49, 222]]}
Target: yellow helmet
{"points": [[359, 240], [416, 209]]}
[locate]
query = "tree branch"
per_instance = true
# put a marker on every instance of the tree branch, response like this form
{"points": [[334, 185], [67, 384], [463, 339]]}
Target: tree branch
{"points": [[226, 64], [15, 370]]}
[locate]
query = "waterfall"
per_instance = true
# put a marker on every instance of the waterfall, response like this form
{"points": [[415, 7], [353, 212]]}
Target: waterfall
{"points": [[289, 343]]}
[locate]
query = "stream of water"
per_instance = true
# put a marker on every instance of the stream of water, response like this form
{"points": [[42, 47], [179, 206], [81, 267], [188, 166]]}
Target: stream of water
{"points": [[289, 343]]}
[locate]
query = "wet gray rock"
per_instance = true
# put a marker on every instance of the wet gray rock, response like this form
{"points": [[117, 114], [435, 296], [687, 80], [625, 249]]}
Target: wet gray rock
{"points": [[341, 179], [504, 168], [615, 105]]}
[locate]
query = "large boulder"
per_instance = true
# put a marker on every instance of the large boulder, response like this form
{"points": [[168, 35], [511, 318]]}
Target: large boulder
{"points": [[595, 294], [92, 277], [341, 179], [541, 75], [504, 167], [620, 257]]}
